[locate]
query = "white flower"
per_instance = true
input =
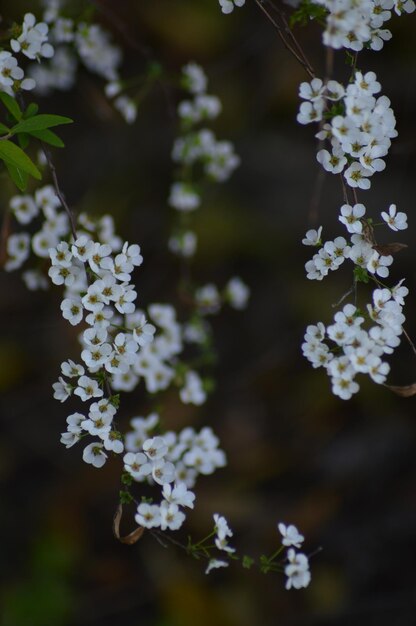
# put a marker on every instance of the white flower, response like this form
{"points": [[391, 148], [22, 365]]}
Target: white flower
{"points": [[334, 162], [357, 176], [94, 454], [291, 535], [178, 494], [32, 42], [137, 465], [297, 571], [183, 197], [193, 391], [194, 78], [24, 207], [215, 564], [237, 293], [396, 221], [155, 448], [163, 472], [88, 388], [351, 217], [72, 310], [170, 516], [208, 298], [62, 390], [227, 6], [148, 515], [378, 264], [127, 107], [144, 332], [312, 237]]}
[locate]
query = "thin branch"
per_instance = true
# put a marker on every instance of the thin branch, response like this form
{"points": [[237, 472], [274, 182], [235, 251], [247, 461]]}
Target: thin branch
{"points": [[59, 192], [290, 34], [4, 235], [122, 28], [287, 45], [412, 345], [348, 293]]}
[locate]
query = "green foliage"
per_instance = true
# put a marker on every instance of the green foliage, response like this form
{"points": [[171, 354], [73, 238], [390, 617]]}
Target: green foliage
{"points": [[49, 137], [307, 11], [15, 156], [361, 275], [11, 105], [40, 122], [247, 562], [29, 125], [18, 176], [125, 497]]}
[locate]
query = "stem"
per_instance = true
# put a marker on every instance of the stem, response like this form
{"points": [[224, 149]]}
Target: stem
{"points": [[275, 554], [59, 192], [4, 235], [287, 45], [412, 345]]}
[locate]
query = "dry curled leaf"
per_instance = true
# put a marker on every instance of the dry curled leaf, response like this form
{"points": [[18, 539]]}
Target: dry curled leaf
{"points": [[405, 391], [390, 248], [131, 537], [368, 232]]}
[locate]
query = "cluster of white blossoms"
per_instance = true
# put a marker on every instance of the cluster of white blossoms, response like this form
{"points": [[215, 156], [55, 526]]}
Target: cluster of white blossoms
{"points": [[171, 461], [221, 532], [345, 348], [218, 161], [358, 125], [209, 299], [197, 147], [74, 43], [297, 566], [31, 40], [360, 129], [358, 25]]}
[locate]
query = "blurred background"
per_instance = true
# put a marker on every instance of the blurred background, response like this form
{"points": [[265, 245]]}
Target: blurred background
{"points": [[343, 472]]}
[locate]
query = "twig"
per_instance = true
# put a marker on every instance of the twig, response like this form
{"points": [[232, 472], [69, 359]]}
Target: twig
{"points": [[58, 190], [120, 25], [412, 345], [290, 34], [287, 45], [349, 292]]}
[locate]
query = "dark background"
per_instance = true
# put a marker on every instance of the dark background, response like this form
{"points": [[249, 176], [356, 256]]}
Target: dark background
{"points": [[343, 472]]}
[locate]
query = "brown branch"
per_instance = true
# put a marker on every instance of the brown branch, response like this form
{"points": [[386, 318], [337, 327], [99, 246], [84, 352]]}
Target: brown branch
{"points": [[290, 34], [280, 30], [4, 235], [59, 192]]}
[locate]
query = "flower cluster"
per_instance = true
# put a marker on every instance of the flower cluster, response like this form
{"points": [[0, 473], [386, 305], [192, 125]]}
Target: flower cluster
{"points": [[358, 25], [31, 40], [361, 127], [352, 348], [297, 567], [78, 42]]}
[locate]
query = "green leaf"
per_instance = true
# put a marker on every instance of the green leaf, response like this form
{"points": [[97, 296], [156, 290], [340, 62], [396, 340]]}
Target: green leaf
{"points": [[11, 105], [31, 110], [12, 154], [40, 122], [361, 274], [3, 129], [247, 561], [47, 136], [18, 176], [23, 140], [307, 11]]}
